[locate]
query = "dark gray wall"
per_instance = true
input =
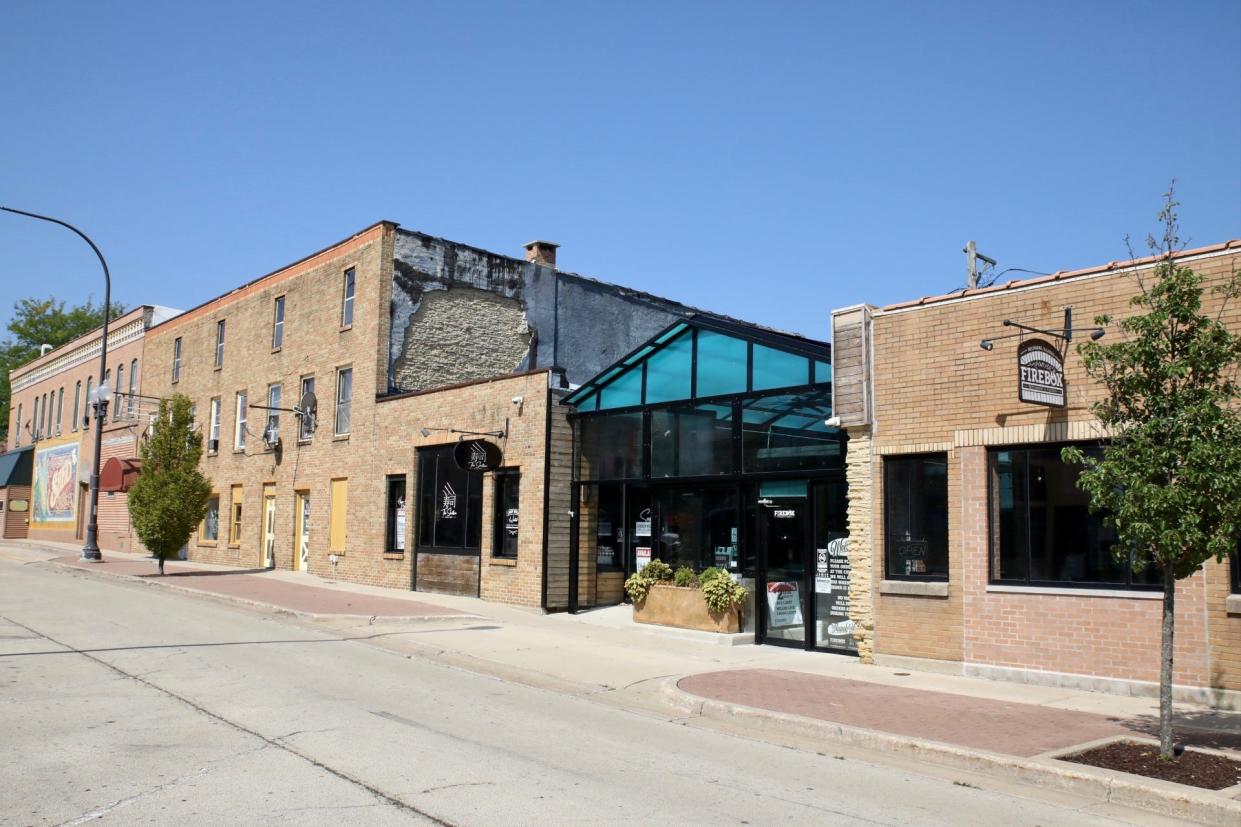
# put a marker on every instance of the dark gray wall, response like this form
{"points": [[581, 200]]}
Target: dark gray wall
{"points": [[539, 317]]}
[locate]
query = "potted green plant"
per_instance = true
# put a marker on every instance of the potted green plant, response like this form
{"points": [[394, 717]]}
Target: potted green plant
{"points": [[710, 601]]}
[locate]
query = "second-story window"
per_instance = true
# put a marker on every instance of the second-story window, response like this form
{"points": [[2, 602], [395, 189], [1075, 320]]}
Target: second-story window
{"points": [[60, 405], [176, 362], [277, 324], [344, 400], [273, 415], [17, 427], [86, 413], [239, 430], [306, 428], [346, 305], [120, 392], [77, 405], [213, 435], [219, 343], [133, 387]]}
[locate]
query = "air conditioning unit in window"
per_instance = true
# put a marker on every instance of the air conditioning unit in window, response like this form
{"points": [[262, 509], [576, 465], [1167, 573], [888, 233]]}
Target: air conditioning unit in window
{"points": [[213, 445], [271, 436]]}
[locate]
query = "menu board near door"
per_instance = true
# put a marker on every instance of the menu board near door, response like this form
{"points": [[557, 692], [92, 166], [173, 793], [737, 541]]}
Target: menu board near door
{"points": [[836, 631]]}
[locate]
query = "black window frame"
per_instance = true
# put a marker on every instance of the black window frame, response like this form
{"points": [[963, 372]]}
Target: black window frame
{"points": [[993, 534], [501, 480], [890, 463], [395, 483], [430, 460]]}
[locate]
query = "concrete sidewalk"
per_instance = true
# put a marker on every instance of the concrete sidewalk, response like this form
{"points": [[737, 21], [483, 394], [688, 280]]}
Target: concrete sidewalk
{"points": [[604, 655]]}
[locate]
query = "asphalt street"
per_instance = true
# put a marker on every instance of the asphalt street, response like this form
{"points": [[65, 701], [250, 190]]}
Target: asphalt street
{"points": [[125, 704]]}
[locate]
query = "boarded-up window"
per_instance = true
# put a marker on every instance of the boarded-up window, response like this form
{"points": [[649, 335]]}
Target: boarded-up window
{"points": [[336, 524]]}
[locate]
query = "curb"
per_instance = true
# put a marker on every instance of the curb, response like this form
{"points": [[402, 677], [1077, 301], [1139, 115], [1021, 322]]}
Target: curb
{"points": [[1166, 798], [258, 604]]}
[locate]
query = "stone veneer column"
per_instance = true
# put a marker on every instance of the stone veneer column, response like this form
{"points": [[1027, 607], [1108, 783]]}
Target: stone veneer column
{"points": [[859, 465]]}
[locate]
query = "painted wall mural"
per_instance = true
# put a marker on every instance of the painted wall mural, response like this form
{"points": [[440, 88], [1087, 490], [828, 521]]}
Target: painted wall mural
{"points": [[55, 483]]}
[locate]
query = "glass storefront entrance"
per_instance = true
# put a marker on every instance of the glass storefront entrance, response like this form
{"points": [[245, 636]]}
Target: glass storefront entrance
{"points": [[710, 446], [803, 586]]}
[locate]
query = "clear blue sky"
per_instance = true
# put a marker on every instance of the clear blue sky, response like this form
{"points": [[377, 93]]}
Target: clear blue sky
{"points": [[767, 160]]}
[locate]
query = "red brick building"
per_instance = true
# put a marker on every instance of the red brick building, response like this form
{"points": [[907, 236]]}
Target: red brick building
{"points": [[50, 411]]}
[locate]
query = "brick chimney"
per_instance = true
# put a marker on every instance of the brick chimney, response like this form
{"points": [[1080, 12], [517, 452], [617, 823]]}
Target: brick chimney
{"points": [[541, 252]]}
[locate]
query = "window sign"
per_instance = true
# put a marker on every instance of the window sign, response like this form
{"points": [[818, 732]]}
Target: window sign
{"points": [[448, 502], [833, 562], [822, 580], [643, 556], [783, 604], [642, 528], [400, 525], [1040, 374]]}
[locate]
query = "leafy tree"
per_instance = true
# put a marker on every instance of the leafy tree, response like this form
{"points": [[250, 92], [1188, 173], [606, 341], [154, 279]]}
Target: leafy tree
{"points": [[169, 499], [1169, 479], [37, 322]]}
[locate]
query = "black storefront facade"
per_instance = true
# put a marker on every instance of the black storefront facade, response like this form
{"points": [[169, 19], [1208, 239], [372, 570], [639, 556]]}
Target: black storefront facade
{"points": [[708, 445]]}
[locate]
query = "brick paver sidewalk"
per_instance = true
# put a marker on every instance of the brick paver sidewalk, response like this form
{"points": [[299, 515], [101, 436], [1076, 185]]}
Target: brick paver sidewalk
{"points": [[979, 723], [258, 586]]}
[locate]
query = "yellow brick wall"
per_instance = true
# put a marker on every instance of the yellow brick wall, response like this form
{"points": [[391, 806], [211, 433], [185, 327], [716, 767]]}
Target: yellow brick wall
{"points": [[936, 388]]}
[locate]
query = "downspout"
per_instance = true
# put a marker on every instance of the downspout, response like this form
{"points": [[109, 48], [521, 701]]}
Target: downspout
{"points": [[547, 478]]}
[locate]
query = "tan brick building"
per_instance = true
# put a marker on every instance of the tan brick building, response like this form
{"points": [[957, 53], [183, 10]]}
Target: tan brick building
{"points": [[980, 550], [50, 412], [396, 332]]}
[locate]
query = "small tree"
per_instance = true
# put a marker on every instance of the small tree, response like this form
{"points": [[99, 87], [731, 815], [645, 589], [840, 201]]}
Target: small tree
{"points": [[1169, 478], [169, 499]]}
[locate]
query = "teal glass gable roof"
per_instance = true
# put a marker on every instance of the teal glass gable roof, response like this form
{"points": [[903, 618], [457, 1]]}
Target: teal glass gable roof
{"points": [[702, 357]]}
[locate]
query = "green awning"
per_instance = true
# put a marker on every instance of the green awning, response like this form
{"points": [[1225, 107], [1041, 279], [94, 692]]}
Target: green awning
{"points": [[16, 467]]}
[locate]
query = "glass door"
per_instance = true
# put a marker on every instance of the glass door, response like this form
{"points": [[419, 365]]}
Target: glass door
{"points": [[784, 603], [832, 628]]}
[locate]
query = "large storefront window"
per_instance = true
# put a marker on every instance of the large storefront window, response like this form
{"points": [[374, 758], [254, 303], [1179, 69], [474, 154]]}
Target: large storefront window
{"points": [[507, 513], [450, 503], [697, 527], [1042, 531], [395, 522], [609, 527], [915, 510]]}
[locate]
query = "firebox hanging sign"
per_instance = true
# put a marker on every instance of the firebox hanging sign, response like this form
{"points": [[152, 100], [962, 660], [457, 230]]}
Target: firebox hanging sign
{"points": [[1040, 374]]}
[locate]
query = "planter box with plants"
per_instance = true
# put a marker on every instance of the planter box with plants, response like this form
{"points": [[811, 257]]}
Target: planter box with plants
{"points": [[709, 602]]}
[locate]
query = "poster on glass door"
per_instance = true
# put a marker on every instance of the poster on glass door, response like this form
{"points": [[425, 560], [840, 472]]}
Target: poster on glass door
{"points": [[783, 604], [831, 579]]}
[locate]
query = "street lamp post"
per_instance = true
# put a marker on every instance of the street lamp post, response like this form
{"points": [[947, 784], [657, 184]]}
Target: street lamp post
{"points": [[90, 551]]}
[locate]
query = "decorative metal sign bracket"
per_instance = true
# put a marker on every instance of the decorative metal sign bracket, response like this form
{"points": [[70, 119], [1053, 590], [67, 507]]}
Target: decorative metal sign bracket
{"points": [[503, 434], [1065, 335]]}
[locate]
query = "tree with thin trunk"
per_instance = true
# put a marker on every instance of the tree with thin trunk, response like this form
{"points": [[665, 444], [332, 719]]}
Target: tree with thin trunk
{"points": [[170, 497], [1169, 478]]}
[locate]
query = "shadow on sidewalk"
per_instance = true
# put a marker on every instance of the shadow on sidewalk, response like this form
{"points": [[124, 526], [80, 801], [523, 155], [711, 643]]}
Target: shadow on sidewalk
{"points": [[1213, 730], [203, 573]]}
